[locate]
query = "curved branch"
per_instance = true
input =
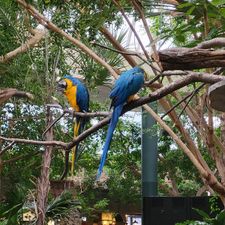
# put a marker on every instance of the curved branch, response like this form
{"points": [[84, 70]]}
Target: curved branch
{"points": [[156, 95], [165, 90], [51, 26], [7, 93], [7, 148], [38, 36]]}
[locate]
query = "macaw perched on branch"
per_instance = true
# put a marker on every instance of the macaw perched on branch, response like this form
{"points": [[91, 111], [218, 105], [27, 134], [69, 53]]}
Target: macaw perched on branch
{"points": [[127, 85], [78, 98]]}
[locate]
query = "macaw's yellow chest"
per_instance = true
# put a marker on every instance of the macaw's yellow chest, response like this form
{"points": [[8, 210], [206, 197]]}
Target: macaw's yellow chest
{"points": [[71, 94]]}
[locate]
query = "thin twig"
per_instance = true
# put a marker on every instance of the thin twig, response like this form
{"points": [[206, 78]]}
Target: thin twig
{"points": [[35, 142], [138, 8], [21, 157], [192, 95], [153, 80], [125, 53], [178, 103], [52, 124], [116, 2], [6, 148]]}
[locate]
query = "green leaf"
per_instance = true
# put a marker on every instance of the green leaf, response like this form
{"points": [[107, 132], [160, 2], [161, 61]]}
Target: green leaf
{"points": [[202, 213], [222, 12], [189, 12], [220, 218], [218, 2], [187, 4]]}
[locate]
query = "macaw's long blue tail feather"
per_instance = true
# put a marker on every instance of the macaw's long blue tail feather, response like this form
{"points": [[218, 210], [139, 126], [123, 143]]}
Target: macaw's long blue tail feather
{"points": [[115, 116]]}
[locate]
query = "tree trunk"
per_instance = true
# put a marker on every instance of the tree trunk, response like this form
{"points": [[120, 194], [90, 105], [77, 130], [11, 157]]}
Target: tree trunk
{"points": [[43, 181]]}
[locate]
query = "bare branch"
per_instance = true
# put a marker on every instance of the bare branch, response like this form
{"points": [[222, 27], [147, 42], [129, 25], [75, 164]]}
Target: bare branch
{"points": [[38, 36], [163, 91], [20, 157], [116, 2], [52, 124], [48, 24], [91, 114], [34, 142], [7, 93], [118, 46], [156, 95], [6, 148], [177, 104], [192, 95], [151, 40], [126, 53]]}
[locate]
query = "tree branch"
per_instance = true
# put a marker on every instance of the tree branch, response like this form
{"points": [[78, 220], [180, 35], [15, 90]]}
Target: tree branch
{"points": [[191, 58], [48, 24], [7, 93], [216, 42], [6, 148], [38, 35], [116, 2], [34, 142], [117, 45], [156, 95], [126, 53]]}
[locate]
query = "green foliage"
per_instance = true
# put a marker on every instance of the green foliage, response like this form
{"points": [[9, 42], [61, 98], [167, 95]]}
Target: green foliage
{"points": [[178, 166], [123, 185], [61, 205], [189, 29], [35, 71], [209, 219], [10, 210]]}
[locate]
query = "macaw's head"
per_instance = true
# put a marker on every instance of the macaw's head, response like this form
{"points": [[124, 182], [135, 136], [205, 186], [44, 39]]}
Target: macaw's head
{"points": [[64, 84]]}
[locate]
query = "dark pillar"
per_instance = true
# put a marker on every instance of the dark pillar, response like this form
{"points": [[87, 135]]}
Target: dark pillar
{"points": [[149, 158]]}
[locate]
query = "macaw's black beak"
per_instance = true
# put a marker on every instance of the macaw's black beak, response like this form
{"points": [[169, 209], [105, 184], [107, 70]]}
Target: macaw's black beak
{"points": [[61, 86]]}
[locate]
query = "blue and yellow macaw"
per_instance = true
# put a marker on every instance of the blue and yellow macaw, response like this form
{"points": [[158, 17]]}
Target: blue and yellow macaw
{"points": [[78, 98], [126, 86]]}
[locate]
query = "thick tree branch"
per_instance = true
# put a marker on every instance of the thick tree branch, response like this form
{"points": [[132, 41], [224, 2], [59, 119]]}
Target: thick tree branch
{"points": [[189, 59], [216, 42], [162, 92]]}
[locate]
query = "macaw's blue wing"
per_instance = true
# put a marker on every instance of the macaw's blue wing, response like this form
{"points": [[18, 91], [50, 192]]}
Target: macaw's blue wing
{"points": [[83, 103], [128, 84]]}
